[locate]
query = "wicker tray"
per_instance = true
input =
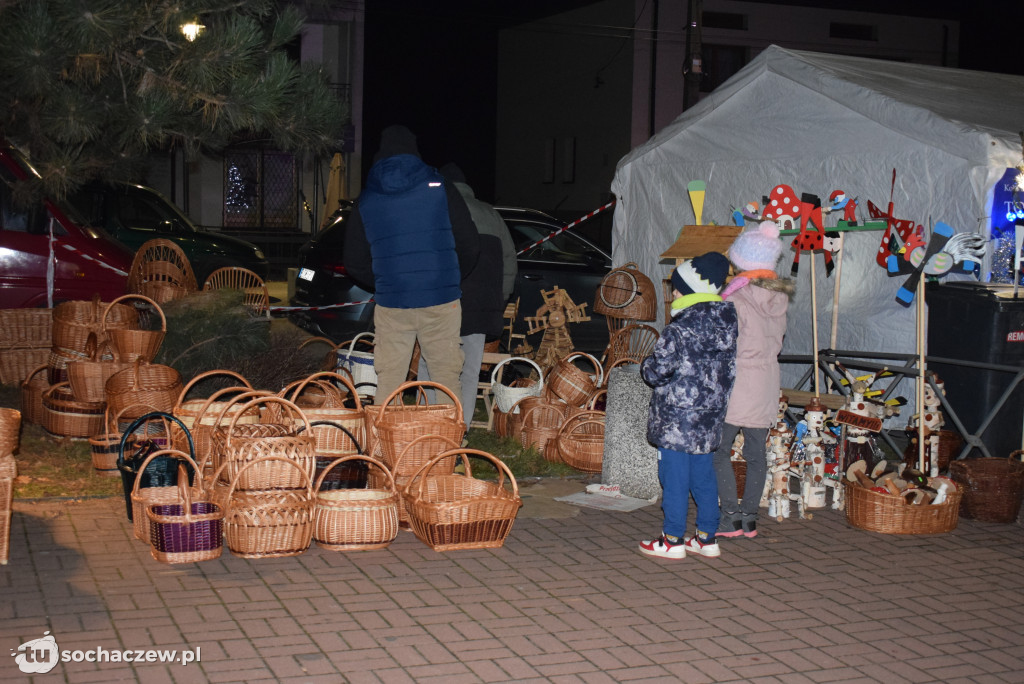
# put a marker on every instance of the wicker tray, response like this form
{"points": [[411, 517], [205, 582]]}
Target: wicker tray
{"points": [[449, 512], [890, 514]]}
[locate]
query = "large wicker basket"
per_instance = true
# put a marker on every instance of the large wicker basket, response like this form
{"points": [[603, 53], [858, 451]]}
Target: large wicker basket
{"points": [[627, 293], [394, 425], [246, 448], [66, 416], [356, 519], [992, 487], [570, 383], [580, 442], [88, 377], [133, 343], [325, 418], [269, 523], [74, 321], [891, 514], [458, 511], [148, 384], [216, 412]]}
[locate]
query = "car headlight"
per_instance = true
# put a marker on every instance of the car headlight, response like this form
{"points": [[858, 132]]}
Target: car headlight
{"points": [[259, 254]]}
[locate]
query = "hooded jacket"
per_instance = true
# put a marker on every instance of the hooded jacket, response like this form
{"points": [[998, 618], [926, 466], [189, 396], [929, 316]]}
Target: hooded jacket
{"points": [[692, 370], [411, 239], [761, 307]]}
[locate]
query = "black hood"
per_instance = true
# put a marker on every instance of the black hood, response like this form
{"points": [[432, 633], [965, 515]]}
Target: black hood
{"points": [[396, 140]]}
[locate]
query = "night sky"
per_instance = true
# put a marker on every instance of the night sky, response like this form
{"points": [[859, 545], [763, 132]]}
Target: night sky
{"points": [[431, 65]]}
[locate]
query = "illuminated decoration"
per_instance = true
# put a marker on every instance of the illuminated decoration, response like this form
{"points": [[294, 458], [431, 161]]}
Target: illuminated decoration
{"points": [[192, 29], [1007, 210]]}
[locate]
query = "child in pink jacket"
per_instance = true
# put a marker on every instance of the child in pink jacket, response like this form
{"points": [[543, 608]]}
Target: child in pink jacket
{"points": [[761, 299]]}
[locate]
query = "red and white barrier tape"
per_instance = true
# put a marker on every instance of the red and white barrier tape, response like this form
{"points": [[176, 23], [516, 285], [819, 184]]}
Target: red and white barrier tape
{"points": [[567, 227], [278, 309], [93, 259]]}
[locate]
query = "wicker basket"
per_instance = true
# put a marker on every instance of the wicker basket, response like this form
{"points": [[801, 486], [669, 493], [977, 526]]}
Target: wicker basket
{"points": [[74, 321], [424, 449], [950, 443], [57, 360], [394, 425], [106, 446], [571, 384], [506, 396], [269, 523], [449, 512], [8, 471], [991, 487], [17, 364], [541, 423], [580, 442], [144, 497], [147, 384], [356, 519], [349, 414], [216, 411], [133, 450], [187, 531], [26, 328], [336, 441], [88, 377], [10, 430], [891, 514], [132, 343], [247, 449], [66, 416], [32, 390], [627, 293]]}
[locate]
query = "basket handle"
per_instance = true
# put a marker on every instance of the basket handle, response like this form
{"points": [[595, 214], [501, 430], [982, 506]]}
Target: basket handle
{"points": [[542, 407], [422, 438], [357, 457], [328, 374], [112, 424], [580, 419], [141, 420], [502, 469], [337, 425], [332, 395], [240, 393], [163, 319], [238, 475], [421, 387], [494, 373], [165, 452], [597, 365], [591, 402], [184, 492], [272, 399], [33, 373], [204, 375], [352, 344]]}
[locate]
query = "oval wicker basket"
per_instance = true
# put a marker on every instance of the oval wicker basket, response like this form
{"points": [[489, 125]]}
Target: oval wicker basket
{"points": [[248, 448], [148, 384], [73, 322], [88, 377], [133, 343], [891, 514], [324, 418], [356, 519], [394, 425], [572, 384], [992, 487], [66, 416], [458, 511], [580, 441], [269, 523]]}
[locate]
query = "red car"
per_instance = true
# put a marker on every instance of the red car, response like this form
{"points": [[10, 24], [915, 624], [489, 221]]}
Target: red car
{"points": [[86, 259]]}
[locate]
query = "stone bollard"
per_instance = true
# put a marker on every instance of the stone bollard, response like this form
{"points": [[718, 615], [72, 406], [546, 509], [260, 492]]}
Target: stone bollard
{"points": [[630, 461]]}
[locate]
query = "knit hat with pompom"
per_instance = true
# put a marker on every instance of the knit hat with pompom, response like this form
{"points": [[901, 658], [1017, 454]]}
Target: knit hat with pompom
{"points": [[757, 248]]}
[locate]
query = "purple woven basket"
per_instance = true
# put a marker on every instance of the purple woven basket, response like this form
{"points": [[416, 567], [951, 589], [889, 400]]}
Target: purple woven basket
{"points": [[186, 542]]}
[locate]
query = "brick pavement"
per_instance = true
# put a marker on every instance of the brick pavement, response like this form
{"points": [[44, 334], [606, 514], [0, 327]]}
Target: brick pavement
{"points": [[566, 600]]}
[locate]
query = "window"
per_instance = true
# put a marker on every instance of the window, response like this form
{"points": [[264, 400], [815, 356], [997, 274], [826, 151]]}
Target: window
{"points": [[852, 31], [724, 20], [19, 219], [260, 190]]}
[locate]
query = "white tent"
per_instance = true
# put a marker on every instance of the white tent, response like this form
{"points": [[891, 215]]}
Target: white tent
{"points": [[820, 123]]}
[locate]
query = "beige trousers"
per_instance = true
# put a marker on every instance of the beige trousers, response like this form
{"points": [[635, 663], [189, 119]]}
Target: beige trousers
{"points": [[396, 332]]}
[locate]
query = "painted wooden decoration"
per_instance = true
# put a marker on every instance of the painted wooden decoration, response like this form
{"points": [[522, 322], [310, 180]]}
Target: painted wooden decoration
{"points": [[838, 201], [553, 318], [784, 207], [902, 228]]}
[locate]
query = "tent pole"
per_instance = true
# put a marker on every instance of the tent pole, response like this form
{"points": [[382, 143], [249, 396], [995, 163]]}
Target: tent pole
{"points": [[814, 322], [920, 376], [835, 292]]}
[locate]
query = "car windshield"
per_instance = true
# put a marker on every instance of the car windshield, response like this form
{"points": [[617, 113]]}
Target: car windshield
{"points": [[563, 248]]}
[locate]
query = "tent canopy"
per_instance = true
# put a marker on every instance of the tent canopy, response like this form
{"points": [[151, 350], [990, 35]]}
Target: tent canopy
{"points": [[821, 123]]}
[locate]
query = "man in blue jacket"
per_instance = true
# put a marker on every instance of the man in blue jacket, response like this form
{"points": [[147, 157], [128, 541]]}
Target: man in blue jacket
{"points": [[411, 241]]}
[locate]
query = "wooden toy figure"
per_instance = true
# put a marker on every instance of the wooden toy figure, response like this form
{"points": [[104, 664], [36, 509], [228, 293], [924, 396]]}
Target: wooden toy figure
{"points": [[553, 318], [780, 440], [933, 422], [809, 457], [784, 207], [839, 201], [859, 442]]}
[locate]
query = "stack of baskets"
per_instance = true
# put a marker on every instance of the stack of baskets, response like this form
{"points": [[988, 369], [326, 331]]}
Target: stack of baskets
{"points": [[25, 336], [10, 430]]}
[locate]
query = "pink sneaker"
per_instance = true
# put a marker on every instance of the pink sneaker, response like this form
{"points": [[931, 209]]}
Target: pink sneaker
{"points": [[663, 548]]}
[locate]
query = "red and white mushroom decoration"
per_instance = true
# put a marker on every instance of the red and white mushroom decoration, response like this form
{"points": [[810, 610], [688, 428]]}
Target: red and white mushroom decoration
{"points": [[783, 207]]}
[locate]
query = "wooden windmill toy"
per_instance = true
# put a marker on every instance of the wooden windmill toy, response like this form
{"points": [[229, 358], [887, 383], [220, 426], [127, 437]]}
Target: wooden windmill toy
{"points": [[553, 319]]}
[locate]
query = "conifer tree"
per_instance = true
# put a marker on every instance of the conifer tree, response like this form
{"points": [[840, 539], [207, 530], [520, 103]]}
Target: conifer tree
{"points": [[89, 88]]}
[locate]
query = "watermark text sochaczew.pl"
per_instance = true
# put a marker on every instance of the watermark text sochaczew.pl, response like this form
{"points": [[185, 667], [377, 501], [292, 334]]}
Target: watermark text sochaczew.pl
{"points": [[39, 656]]}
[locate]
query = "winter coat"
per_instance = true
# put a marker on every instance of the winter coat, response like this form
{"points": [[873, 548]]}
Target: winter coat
{"points": [[761, 308], [482, 304], [489, 222], [410, 239], [692, 370]]}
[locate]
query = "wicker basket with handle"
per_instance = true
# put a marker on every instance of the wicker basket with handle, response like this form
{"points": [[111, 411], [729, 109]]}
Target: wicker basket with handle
{"points": [[133, 343], [580, 442], [188, 530], [106, 446], [88, 377], [458, 511], [626, 292], [356, 519], [506, 396], [252, 444], [73, 322], [572, 384], [423, 448], [269, 523], [144, 497], [148, 384], [348, 413], [992, 487], [393, 425]]}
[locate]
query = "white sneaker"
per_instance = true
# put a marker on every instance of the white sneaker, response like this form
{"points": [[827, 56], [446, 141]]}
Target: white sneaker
{"points": [[695, 545], [663, 548]]}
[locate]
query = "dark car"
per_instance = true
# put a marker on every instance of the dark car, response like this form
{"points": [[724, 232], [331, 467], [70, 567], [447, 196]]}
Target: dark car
{"points": [[134, 214], [567, 260]]}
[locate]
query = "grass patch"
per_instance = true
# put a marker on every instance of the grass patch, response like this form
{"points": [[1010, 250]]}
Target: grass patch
{"points": [[522, 461]]}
